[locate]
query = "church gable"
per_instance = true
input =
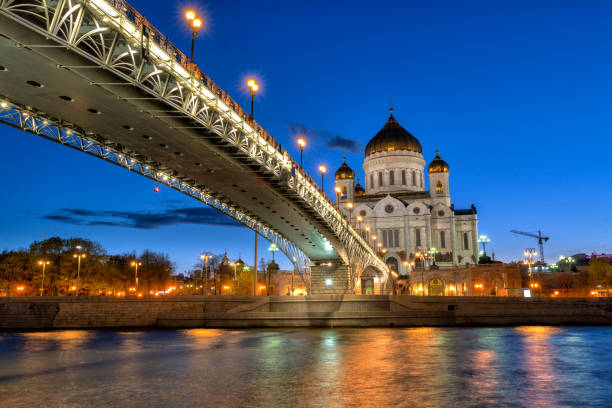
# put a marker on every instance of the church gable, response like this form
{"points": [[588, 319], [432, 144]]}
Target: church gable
{"points": [[389, 206]]}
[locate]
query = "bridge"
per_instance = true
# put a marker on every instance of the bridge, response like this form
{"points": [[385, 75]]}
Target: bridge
{"points": [[96, 76]]}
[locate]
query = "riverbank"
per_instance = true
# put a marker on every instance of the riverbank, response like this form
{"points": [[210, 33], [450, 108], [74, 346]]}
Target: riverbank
{"points": [[34, 313]]}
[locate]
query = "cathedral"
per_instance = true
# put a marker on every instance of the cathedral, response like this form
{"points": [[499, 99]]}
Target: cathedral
{"points": [[396, 212]]}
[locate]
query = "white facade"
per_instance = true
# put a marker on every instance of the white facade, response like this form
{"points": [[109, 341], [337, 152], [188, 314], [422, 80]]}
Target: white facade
{"points": [[400, 211]]}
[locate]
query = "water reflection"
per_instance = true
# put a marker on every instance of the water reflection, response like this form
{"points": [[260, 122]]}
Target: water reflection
{"points": [[421, 367]]}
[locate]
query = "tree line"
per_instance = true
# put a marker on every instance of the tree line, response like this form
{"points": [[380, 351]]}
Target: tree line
{"points": [[21, 271]]}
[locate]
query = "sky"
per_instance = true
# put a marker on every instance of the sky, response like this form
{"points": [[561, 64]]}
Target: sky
{"points": [[515, 95]]}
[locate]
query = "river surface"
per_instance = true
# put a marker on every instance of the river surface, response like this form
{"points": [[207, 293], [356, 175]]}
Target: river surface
{"points": [[417, 367]]}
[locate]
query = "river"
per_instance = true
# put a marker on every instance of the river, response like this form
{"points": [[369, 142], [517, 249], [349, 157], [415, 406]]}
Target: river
{"points": [[415, 367]]}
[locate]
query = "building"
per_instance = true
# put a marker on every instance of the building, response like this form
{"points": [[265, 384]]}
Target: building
{"points": [[399, 213], [494, 279]]}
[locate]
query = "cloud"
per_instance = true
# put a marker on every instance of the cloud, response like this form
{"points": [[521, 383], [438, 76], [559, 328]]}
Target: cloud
{"points": [[141, 219], [331, 141]]}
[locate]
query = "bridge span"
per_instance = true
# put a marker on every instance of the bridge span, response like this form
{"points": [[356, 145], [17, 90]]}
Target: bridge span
{"points": [[94, 75]]}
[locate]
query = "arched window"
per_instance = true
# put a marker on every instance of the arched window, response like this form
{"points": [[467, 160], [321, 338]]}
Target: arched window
{"points": [[422, 179], [466, 241], [371, 180], [404, 177], [414, 178], [392, 177], [439, 188], [380, 179]]}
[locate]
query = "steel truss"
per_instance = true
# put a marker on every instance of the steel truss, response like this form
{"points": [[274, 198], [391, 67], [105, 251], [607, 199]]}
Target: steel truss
{"points": [[110, 34]]}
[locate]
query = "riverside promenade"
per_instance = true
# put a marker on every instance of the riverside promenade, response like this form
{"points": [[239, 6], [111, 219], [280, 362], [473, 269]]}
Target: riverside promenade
{"points": [[35, 313]]}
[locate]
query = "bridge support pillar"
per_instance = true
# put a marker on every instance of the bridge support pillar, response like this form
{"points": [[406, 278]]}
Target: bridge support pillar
{"points": [[330, 280]]}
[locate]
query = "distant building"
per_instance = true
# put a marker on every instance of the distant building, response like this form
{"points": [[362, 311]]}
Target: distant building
{"points": [[474, 280]]}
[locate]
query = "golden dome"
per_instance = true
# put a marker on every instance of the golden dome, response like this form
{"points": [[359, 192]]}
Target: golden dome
{"points": [[437, 165], [392, 137], [345, 172], [359, 189]]}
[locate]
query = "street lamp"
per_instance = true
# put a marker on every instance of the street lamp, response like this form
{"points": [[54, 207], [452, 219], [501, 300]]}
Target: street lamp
{"points": [[205, 257], [432, 253], [569, 260], [323, 170], [302, 143], [273, 248], [136, 264], [42, 281], [253, 88], [421, 255], [359, 220], [195, 23], [78, 256], [530, 253], [350, 208], [484, 240]]}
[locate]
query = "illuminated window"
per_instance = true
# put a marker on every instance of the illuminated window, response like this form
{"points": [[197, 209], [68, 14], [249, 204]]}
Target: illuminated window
{"points": [[439, 188]]}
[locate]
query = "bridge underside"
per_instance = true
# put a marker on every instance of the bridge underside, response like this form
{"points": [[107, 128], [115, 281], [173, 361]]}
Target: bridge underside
{"points": [[80, 94]]}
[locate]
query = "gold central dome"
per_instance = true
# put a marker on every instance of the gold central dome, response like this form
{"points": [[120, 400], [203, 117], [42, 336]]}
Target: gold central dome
{"points": [[393, 137]]}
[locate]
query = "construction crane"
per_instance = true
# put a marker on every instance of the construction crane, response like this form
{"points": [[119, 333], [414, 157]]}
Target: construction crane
{"points": [[541, 240]]}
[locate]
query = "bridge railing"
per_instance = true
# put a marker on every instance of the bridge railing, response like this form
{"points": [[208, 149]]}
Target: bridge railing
{"points": [[131, 14], [161, 41]]}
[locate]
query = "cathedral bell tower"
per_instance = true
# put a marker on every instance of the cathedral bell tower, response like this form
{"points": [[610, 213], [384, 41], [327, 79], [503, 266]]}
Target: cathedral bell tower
{"points": [[438, 179], [345, 183]]}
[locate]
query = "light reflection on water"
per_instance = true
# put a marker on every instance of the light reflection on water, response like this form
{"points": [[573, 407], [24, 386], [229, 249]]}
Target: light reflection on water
{"points": [[419, 367]]}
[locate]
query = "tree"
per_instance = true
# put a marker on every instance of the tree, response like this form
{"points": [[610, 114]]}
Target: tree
{"points": [[15, 267], [156, 270], [600, 271], [244, 284]]}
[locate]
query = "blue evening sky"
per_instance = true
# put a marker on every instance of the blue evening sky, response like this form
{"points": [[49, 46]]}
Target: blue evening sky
{"points": [[516, 95]]}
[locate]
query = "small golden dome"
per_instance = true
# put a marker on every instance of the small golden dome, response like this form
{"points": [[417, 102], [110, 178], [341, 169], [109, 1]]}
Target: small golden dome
{"points": [[437, 165], [392, 137], [359, 189], [345, 172]]}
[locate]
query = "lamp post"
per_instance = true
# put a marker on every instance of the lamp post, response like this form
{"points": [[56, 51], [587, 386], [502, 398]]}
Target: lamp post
{"points": [[338, 191], [421, 255], [432, 253], [42, 281], [350, 208], [484, 240], [569, 260], [530, 253], [273, 248], [195, 23], [78, 256], [136, 264], [302, 143], [323, 170], [359, 220], [205, 257], [253, 88]]}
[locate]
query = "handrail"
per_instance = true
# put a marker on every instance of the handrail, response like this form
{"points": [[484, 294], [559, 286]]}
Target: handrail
{"points": [[161, 41]]}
